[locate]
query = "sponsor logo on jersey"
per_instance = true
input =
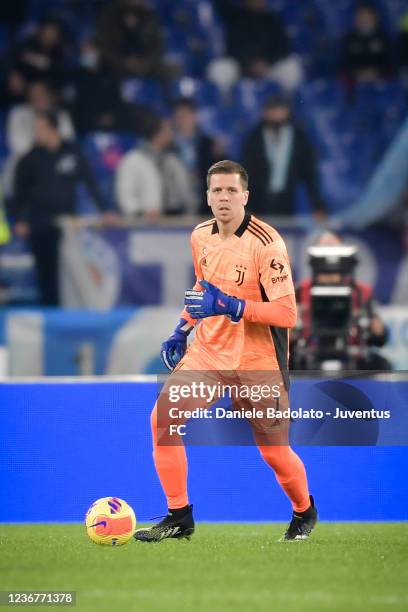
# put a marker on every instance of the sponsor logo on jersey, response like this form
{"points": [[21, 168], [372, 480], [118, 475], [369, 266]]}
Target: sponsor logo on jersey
{"points": [[279, 279], [240, 270], [276, 265]]}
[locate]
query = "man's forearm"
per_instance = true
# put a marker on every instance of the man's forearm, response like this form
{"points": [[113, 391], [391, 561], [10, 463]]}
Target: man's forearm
{"points": [[279, 313]]}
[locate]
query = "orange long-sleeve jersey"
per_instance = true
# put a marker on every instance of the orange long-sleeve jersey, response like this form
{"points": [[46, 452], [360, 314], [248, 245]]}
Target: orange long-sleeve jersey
{"points": [[253, 265]]}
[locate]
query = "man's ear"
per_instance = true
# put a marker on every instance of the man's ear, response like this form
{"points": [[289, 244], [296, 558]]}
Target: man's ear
{"points": [[246, 197]]}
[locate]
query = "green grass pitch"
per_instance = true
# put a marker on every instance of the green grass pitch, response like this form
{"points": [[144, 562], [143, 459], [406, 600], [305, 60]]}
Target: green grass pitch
{"points": [[225, 566]]}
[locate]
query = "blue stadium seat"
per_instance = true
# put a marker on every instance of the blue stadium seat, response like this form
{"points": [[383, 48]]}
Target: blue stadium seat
{"points": [[144, 91], [203, 92], [337, 16], [340, 186], [233, 125], [301, 39], [389, 94], [209, 120], [323, 92], [381, 106], [105, 149], [193, 34], [38, 8], [250, 95], [391, 12], [276, 5]]}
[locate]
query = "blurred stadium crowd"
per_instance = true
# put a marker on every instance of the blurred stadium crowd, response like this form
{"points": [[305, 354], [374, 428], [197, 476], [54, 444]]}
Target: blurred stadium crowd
{"points": [[136, 98], [208, 66]]}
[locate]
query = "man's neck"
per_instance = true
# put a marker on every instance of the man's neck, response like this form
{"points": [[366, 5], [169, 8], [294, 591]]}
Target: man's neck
{"points": [[228, 229], [186, 134], [156, 146], [54, 144]]}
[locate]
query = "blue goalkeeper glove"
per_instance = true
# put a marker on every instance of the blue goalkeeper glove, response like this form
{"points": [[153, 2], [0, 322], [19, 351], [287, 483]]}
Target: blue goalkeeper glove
{"points": [[213, 302], [173, 349]]}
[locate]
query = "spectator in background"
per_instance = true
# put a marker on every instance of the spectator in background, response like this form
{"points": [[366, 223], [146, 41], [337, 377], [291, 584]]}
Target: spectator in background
{"points": [[42, 55], [130, 40], [20, 124], [13, 89], [196, 150], [152, 180], [279, 157], [21, 119], [45, 188], [98, 103], [257, 39], [366, 54]]}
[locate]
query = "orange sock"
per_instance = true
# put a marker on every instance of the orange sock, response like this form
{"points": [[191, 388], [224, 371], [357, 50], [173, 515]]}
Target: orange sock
{"points": [[290, 473], [171, 467]]}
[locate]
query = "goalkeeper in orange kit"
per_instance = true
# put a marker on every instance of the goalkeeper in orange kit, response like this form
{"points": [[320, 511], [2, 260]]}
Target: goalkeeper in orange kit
{"points": [[244, 302]]}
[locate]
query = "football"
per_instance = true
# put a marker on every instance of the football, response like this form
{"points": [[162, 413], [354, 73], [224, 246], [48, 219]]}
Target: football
{"points": [[110, 521]]}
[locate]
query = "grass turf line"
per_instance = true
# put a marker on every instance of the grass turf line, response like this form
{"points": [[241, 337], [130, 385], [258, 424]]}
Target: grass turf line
{"points": [[344, 567]]}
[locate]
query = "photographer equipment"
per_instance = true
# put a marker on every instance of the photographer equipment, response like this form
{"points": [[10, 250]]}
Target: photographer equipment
{"points": [[332, 320]]}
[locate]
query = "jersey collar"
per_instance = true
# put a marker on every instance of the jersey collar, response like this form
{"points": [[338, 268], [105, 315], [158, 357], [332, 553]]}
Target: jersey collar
{"points": [[240, 230]]}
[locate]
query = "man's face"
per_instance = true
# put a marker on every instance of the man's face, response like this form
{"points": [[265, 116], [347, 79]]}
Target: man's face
{"points": [[276, 115], [226, 196], [165, 136], [256, 5], [329, 239], [39, 97], [366, 20], [50, 35], [185, 119]]}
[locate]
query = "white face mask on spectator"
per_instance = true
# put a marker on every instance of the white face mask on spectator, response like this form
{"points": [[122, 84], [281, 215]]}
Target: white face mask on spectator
{"points": [[90, 59]]}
